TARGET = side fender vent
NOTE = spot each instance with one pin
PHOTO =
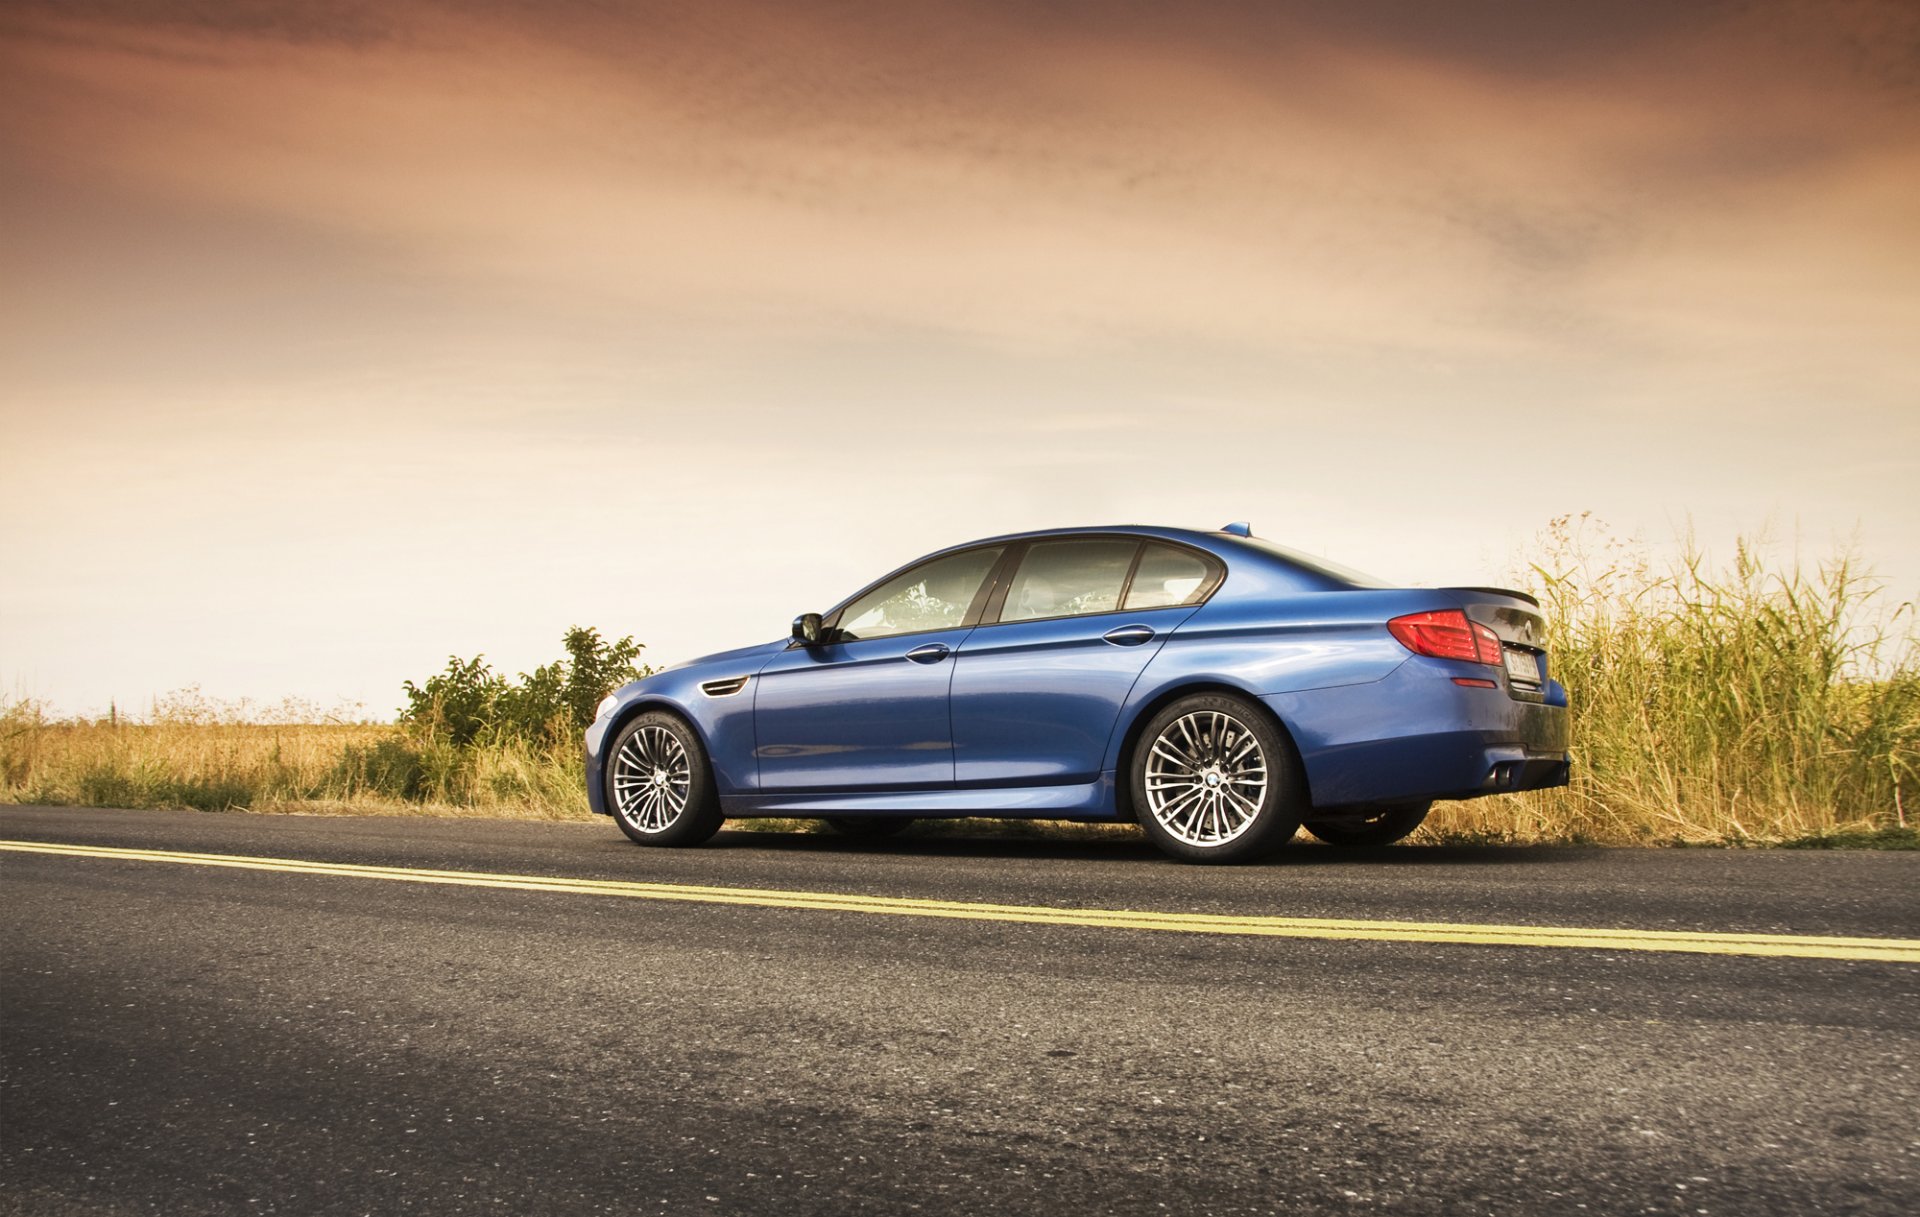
(724, 688)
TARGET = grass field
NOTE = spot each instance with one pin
(1744, 704)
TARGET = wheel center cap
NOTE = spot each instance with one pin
(659, 777)
(1213, 778)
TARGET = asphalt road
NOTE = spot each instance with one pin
(182, 1039)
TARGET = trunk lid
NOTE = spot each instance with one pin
(1515, 619)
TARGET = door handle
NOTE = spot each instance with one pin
(1129, 635)
(933, 652)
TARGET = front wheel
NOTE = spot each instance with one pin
(1216, 781)
(1381, 824)
(659, 783)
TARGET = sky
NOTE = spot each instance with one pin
(336, 338)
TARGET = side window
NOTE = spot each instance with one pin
(1068, 578)
(1168, 575)
(931, 596)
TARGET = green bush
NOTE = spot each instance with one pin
(468, 703)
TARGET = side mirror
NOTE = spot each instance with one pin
(806, 629)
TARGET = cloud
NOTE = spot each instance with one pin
(126, 22)
(986, 168)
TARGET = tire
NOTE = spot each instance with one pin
(659, 784)
(869, 828)
(1214, 779)
(1383, 824)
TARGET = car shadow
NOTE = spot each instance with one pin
(943, 845)
(1301, 852)
(1305, 853)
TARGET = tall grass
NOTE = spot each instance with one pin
(1750, 700)
(1754, 700)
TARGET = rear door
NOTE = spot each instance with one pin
(1038, 685)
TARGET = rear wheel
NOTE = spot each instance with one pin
(659, 783)
(868, 827)
(1214, 780)
(1381, 824)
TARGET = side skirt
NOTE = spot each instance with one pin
(1090, 800)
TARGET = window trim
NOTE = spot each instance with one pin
(1216, 575)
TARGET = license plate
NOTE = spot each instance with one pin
(1523, 666)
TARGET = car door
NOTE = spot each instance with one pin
(867, 709)
(1038, 685)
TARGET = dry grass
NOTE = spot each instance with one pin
(1759, 702)
(339, 769)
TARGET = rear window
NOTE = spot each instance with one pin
(1320, 566)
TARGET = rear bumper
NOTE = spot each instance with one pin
(1414, 734)
(1525, 771)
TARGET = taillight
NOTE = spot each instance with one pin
(1446, 634)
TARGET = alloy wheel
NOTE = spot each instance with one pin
(1206, 778)
(652, 779)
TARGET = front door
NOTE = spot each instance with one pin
(857, 715)
(867, 709)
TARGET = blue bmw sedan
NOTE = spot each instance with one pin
(1218, 690)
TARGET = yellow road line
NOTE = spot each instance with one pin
(1889, 950)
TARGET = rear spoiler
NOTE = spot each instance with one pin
(1496, 591)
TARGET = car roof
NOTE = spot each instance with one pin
(1300, 569)
(1189, 535)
